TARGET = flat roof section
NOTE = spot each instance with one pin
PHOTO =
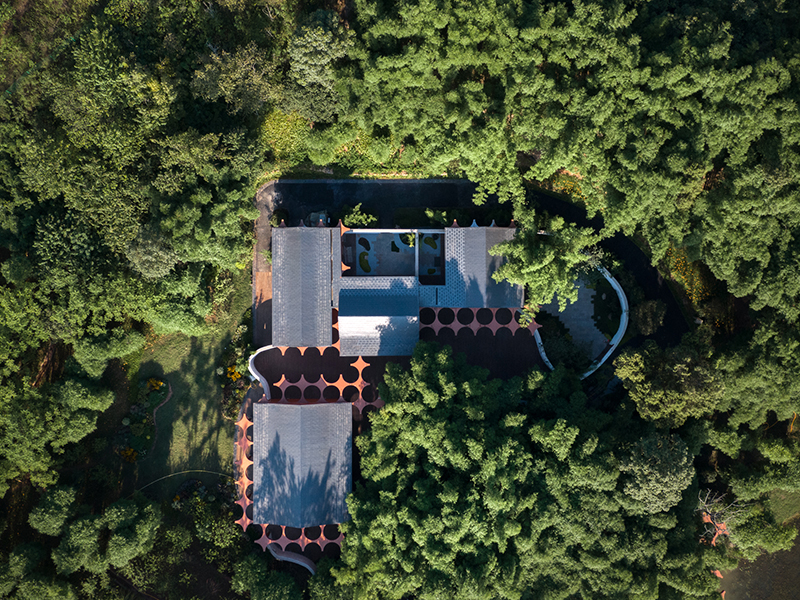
(302, 463)
(301, 286)
(379, 322)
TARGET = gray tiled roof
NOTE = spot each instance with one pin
(301, 286)
(390, 303)
(336, 264)
(302, 463)
(469, 269)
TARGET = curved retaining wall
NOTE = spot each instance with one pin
(251, 366)
(615, 341)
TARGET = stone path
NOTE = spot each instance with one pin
(577, 318)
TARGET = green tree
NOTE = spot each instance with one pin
(22, 574)
(151, 254)
(93, 354)
(313, 51)
(54, 509)
(352, 216)
(761, 374)
(669, 386)
(469, 493)
(253, 575)
(243, 79)
(125, 530)
(548, 263)
(658, 469)
(36, 424)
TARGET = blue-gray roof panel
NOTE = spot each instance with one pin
(301, 286)
(302, 463)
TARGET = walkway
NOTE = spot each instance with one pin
(262, 269)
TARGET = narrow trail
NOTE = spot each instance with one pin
(155, 422)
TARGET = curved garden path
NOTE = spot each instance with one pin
(155, 423)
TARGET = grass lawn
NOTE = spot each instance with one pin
(192, 434)
(784, 505)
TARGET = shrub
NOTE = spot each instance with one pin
(94, 353)
(648, 316)
(278, 215)
(354, 217)
(364, 262)
(286, 135)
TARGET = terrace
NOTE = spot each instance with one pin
(395, 253)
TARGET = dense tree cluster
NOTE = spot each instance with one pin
(134, 133)
(680, 117)
(126, 178)
(478, 488)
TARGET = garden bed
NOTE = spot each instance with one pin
(233, 368)
(136, 437)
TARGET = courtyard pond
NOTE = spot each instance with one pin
(389, 254)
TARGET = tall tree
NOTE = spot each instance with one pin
(547, 263)
(670, 386)
(125, 530)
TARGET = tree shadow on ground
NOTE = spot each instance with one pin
(192, 433)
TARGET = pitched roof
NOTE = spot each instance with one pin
(302, 463)
(301, 286)
(477, 266)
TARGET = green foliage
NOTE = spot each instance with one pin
(33, 31)
(352, 216)
(762, 375)
(313, 50)
(323, 585)
(93, 354)
(676, 123)
(756, 533)
(20, 565)
(243, 79)
(648, 316)
(151, 254)
(659, 468)
(363, 262)
(468, 493)
(55, 508)
(253, 575)
(286, 136)
(215, 527)
(669, 386)
(36, 424)
(546, 263)
(125, 530)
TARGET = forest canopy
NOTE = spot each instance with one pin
(135, 134)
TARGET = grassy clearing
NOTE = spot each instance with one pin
(784, 505)
(192, 433)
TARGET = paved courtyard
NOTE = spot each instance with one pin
(577, 318)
